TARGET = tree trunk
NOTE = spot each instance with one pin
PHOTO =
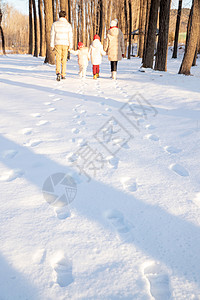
(151, 36)
(175, 50)
(30, 51)
(2, 35)
(50, 57)
(41, 24)
(62, 5)
(146, 27)
(35, 30)
(126, 25)
(192, 39)
(162, 48)
(142, 21)
(69, 11)
(194, 63)
(130, 29)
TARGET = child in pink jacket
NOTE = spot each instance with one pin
(96, 52)
(83, 58)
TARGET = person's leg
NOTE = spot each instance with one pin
(98, 71)
(84, 71)
(94, 72)
(64, 60)
(80, 70)
(114, 73)
(58, 58)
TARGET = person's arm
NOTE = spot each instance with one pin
(105, 47)
(102, 51)
(70, 38)
(52, 37)
(122, 44)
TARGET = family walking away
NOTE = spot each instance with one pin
(62, 42)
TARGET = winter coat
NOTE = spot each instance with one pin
(114, 44)
(83, 56)
(61, 33)
(96, 52)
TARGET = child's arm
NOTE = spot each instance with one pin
(102, 51)
(74, 52)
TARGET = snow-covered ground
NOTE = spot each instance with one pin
(131, 149)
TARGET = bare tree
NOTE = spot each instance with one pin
(2, 35)
(35, 30)
(175, 50)
(30, 28)
(41, 24)
(162, 48)
(151, 36)
(192, 39)
(50, 57)
(130, 29)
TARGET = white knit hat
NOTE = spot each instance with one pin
(113, 23)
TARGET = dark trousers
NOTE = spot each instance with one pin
(113, 66)
(95, 69)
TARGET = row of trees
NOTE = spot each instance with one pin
(89, 17)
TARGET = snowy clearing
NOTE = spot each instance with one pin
(132, 226)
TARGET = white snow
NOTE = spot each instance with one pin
(133, 229)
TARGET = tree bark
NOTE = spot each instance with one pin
(2, 35)
(192, 39)
(175, 50)
(50, 57)
(162, 48)
(146, 27)
(30, 51)
(130, 29)
(151, 36)
(41, 24)
(142, 23)
(35, 30)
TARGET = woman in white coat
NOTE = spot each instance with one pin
(114, 46)
(96, 52)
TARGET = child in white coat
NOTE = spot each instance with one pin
(83, 58)
(96, 52)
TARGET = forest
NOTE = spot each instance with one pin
(144, 22)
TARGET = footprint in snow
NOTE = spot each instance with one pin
(122, 226)
(57, 99)
(171, 149)
(9, 154)
(63, 271)
(26, 131)
(158, 280)
(62, 213)
(81, 122)
(42, 122)
(152, 137)
(51, 109)
(150, 127)
(75, 130)
(11, 175)
(47, 103)
(108, 109)
(33, 143)
(180, 170)
(51, 95)
(36, 115)
(129, 184)
(113, 162)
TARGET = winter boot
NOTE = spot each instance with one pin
(95, 76)
(63, 77)
(114, 75)
(58, 77)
